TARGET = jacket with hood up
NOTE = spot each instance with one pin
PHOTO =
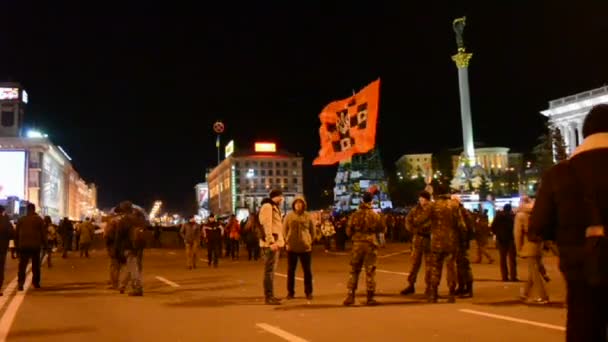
(298, 229)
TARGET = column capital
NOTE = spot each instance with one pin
(462, 59)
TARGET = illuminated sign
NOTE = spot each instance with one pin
(265, 147)
(24, 97)
(9, 93)
(229, 149)
(12, 174)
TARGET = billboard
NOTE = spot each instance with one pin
(229, 149)
(9, 93)
(202, 195)
(12, 174)
(265, 147)
(52, 186)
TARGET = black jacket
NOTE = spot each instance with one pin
(6, 232)
(561, 213)
(502, 227)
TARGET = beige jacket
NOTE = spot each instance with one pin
(272, 221)
(525, 248)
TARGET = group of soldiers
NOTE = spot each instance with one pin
(442, 230)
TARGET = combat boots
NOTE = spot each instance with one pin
(452, 295)
(370, 299)
(350, 298)
(408, 290)
(432, 295)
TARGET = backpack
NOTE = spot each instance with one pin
(138, 236)
(257, 227)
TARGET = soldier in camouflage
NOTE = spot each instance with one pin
(418, 222)
(463, 263)
(363, 228)
(446, 226)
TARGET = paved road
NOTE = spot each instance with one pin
(225, 304)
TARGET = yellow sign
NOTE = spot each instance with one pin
(229, 148)
(265, 147)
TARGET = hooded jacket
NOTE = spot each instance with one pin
(298, 229)
(525, 248)
(271, 219)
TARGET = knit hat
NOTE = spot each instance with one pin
(596, 121)
(425, 194)
(275, 193)
(368, 197)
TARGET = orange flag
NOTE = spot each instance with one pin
(348, 126)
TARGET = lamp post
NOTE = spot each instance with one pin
(218, 128)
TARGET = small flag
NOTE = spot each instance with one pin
(348, 126)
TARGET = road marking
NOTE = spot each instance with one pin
(11, 311)
(338, 253)
(513, 319)
(172, 253)
(205, 260)
(280, 332)
(167, 281)
(393, 254)
(391, 272)
(285, 276)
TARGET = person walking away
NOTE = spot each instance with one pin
(6, 234)
(190, 233)
(363, 228)
(77, 228)
(502, 227)
(251, 240)
(86, 232)
(418, 222)
(109, 235)
(328, 230)
(130, 242)
(464, 273)
(298, 230)
(51, 236)
(235, 236)
(226, 239)
(570, 209)
(66, 229)
(534, 289)
(31, 237)
(482, 235)
(447, 224)
(213, 237)
(271, 241)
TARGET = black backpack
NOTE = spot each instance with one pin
(257, 227)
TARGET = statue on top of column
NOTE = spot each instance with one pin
(459, 24)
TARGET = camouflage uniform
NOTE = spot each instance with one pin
(363, 227)
(482, 233)
(463, 263)
(446, 226)
(418, 222)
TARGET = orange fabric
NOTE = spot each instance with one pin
(348, 126)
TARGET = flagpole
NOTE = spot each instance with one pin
(218, 128)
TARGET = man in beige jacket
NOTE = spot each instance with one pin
(271, 221)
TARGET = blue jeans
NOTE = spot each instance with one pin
(271, 260)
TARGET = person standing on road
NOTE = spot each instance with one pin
(130, 243)
(86, 232)
(534, 289)
(464, 273)
(30, 239)
(51, 236)
(418, 222)
(298, 230)
(446, 226)
(271, 221)
(109, 235)
(251, 240)
(571, 206)
(6, 234)
(235, 236)
(502, 227)
(363, 228)
(482, 234)
(66, 229)
(191, 234)
(213, 237)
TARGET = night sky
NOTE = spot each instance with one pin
(131, 90)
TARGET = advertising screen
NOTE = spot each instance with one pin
(12, 174)
(9, 93)
(52, 188)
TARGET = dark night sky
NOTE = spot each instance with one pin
(131, 90)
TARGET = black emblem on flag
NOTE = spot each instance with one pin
(354, 117)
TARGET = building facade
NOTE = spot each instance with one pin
(568, 113)
(495, 159)
(414, 165)
(244, 178)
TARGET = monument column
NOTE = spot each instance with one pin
(462, 59)
(579, 127)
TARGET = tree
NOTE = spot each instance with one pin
(550, 149)
(559, 145)
(405, 192)
(484, 188)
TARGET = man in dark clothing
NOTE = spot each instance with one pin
(569, 206)
(502, 227)
(30, 239)
(6, 233)
(213, 236)
(66, 230)
(129, 245)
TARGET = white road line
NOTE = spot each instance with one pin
(167, 281)
(280, 332)
(393, 254)
(172, 253)
(205, 260)
(391, 272)
(11, 311)
(513, 319)
(338, 253)
(285, 276)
